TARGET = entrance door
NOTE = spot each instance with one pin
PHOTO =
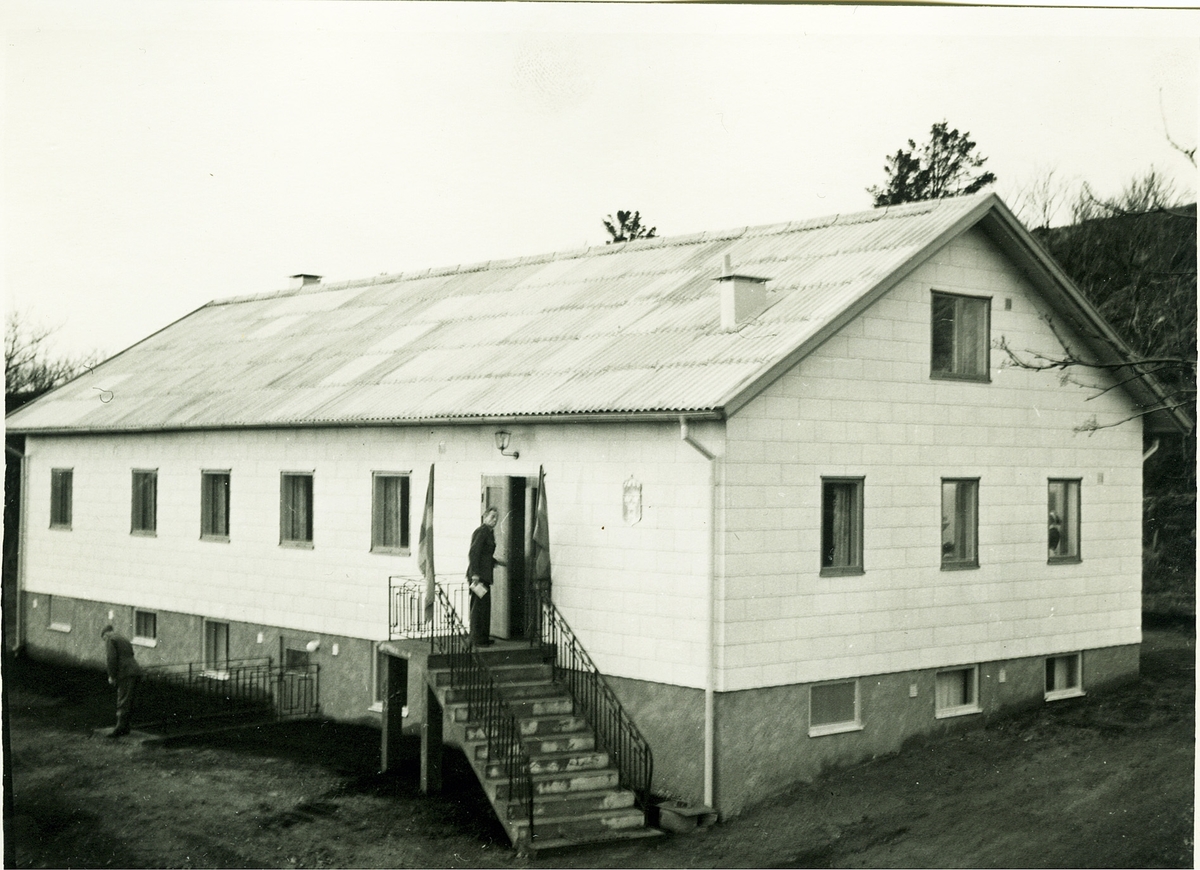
(513, 497)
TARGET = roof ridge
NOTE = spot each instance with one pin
(803, 225)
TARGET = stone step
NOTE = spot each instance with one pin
(559, 783)
(510, 692)
(546, 843)
(582, 741)
(585, 828)
(561, 762)
(525, 709)
(537, 727)
(516, 673)
(565, 805)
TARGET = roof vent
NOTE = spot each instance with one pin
(303, 280)
(743, 297)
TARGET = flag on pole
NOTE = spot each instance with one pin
(425, 548)
(541, 537)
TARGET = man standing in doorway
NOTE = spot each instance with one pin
(481, 563)
(123, 672)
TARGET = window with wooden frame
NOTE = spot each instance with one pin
(144, 502)
(1063, 521)
(296, 508)
(390, 512)
(960, 337)
(841, 525)
(956, 692)
(214, 505)
(1064, 676)
(61, 494)
(960, 523)
(833, 708)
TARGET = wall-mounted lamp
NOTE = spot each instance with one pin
(502, 439)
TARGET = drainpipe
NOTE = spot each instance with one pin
(22, 518)
(709, 611)
(1153, 449)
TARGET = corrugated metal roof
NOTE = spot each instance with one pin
(626, 328)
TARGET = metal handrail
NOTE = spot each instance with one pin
(468, 671)
(593, 698)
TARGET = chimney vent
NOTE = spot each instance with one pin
(302, 280)
(743, 297)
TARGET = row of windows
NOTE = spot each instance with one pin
(389, 506)
(836, 707)
(841, 515)
(842, 523)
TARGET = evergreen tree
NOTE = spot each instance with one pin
(944, 166)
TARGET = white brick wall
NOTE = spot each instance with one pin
(634, 593)
(903, 432)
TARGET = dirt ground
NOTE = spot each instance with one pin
(1101, 781)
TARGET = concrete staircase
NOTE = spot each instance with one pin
(577, 796)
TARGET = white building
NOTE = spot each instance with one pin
(795, 518)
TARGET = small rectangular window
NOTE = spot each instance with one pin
(216, 647)
(961, 342)
(296, 508)
(957, 692)
(1063, 509)
(145, 502)
(145, 628)
(1063, 677)
(60, 613)
(960, 523)
(61, 484)
(214, 505)
(833, 708)
(841, 525)
(390, 513)
(296, 660)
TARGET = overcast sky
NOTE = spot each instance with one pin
(160, 155)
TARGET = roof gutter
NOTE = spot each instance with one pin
(510, 419)
(710, 671)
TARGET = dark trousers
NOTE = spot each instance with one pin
(126, 686)
(481, 617)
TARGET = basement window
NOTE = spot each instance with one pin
(957, 692)
(833, 708)
(60, 613)
(1064, 677)
(145, 628)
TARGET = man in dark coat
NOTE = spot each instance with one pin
(123, 672)
(481, 562)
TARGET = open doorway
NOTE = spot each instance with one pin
(515, 498)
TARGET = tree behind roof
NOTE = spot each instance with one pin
(944, 166)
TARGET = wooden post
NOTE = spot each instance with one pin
(431, 744)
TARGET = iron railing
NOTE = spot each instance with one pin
(470, 675)
(175, 694)
(406, 605)
(593, 698)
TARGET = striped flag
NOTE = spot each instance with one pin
(425, 548)
(541, 537)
